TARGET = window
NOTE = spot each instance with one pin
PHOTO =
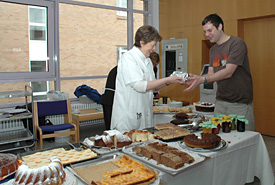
(120, 51)
(38, 48)
(59, 45)
(122, 4)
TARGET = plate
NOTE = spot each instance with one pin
(204, 113)
(70, 179)
(223, 145)
(11, 175)
(15, 111)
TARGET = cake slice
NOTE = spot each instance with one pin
(171, 160)
(161, 126)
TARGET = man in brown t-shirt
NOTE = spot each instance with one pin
(229, 67)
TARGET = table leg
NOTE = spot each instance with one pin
(76, 122)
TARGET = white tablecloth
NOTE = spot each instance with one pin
(245, 157)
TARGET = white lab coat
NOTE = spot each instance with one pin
(132, 109)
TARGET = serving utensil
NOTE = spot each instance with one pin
(78, 149)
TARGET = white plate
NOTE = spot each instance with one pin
(70, 179)
(223, 145)
(14, 111)
(204, 113)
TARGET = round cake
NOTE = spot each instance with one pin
(205, 107)
(51, 174)
(179, 121)
(8, 164)
(181, 115)
(207, 141)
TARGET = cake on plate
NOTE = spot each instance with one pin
(140, 135)
(51, 174)
(207, 141)
(205, 107)
(8, 164)
(111, 138)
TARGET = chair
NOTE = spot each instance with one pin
(51, 108)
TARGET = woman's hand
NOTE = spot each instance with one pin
(175, 80)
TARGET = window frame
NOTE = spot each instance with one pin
(9, 77)
(53, 38)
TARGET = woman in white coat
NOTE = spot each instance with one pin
(135, 83)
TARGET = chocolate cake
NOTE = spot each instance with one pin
(207, 141)
(180, 121)
(181, 115)
(205, 107)
(164, 154)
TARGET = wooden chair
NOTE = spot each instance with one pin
(50, 108)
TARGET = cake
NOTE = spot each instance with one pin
(51, 174)
(140, 135)
(180, 121)
(8, 164)
(129, 172)
(205, 107)
(164, 154)
(181, 115)
(161, 126)
(111, 138)
(172, 132)
(207, 141)
(185, 103)
(43, 158)
(122, 140)
(103, 141)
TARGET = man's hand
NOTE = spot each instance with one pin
(193, 82)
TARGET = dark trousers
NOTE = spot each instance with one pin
(107, 111)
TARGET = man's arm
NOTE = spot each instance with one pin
(225, 73)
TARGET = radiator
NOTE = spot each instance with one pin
(18, 124)
(11, 125)
(78, 106)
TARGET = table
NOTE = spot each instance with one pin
(86, 115)
(245, 157)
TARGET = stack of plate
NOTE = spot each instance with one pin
(175, 104)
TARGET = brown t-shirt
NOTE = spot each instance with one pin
(239, 87)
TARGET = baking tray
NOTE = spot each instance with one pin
(66, 147)
(104, 159)
(106, 150)
(199, 158)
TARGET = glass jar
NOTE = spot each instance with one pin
(216, 130)
(233, 121)
(226, 127)
(241, 121)
(206, 130)
(240, 126)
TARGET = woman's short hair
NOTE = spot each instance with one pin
(146, 34)
(154, 58)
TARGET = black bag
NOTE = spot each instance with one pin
(47, 122)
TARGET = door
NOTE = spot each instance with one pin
(260, 39)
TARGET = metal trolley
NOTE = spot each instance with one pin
(12, 135)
